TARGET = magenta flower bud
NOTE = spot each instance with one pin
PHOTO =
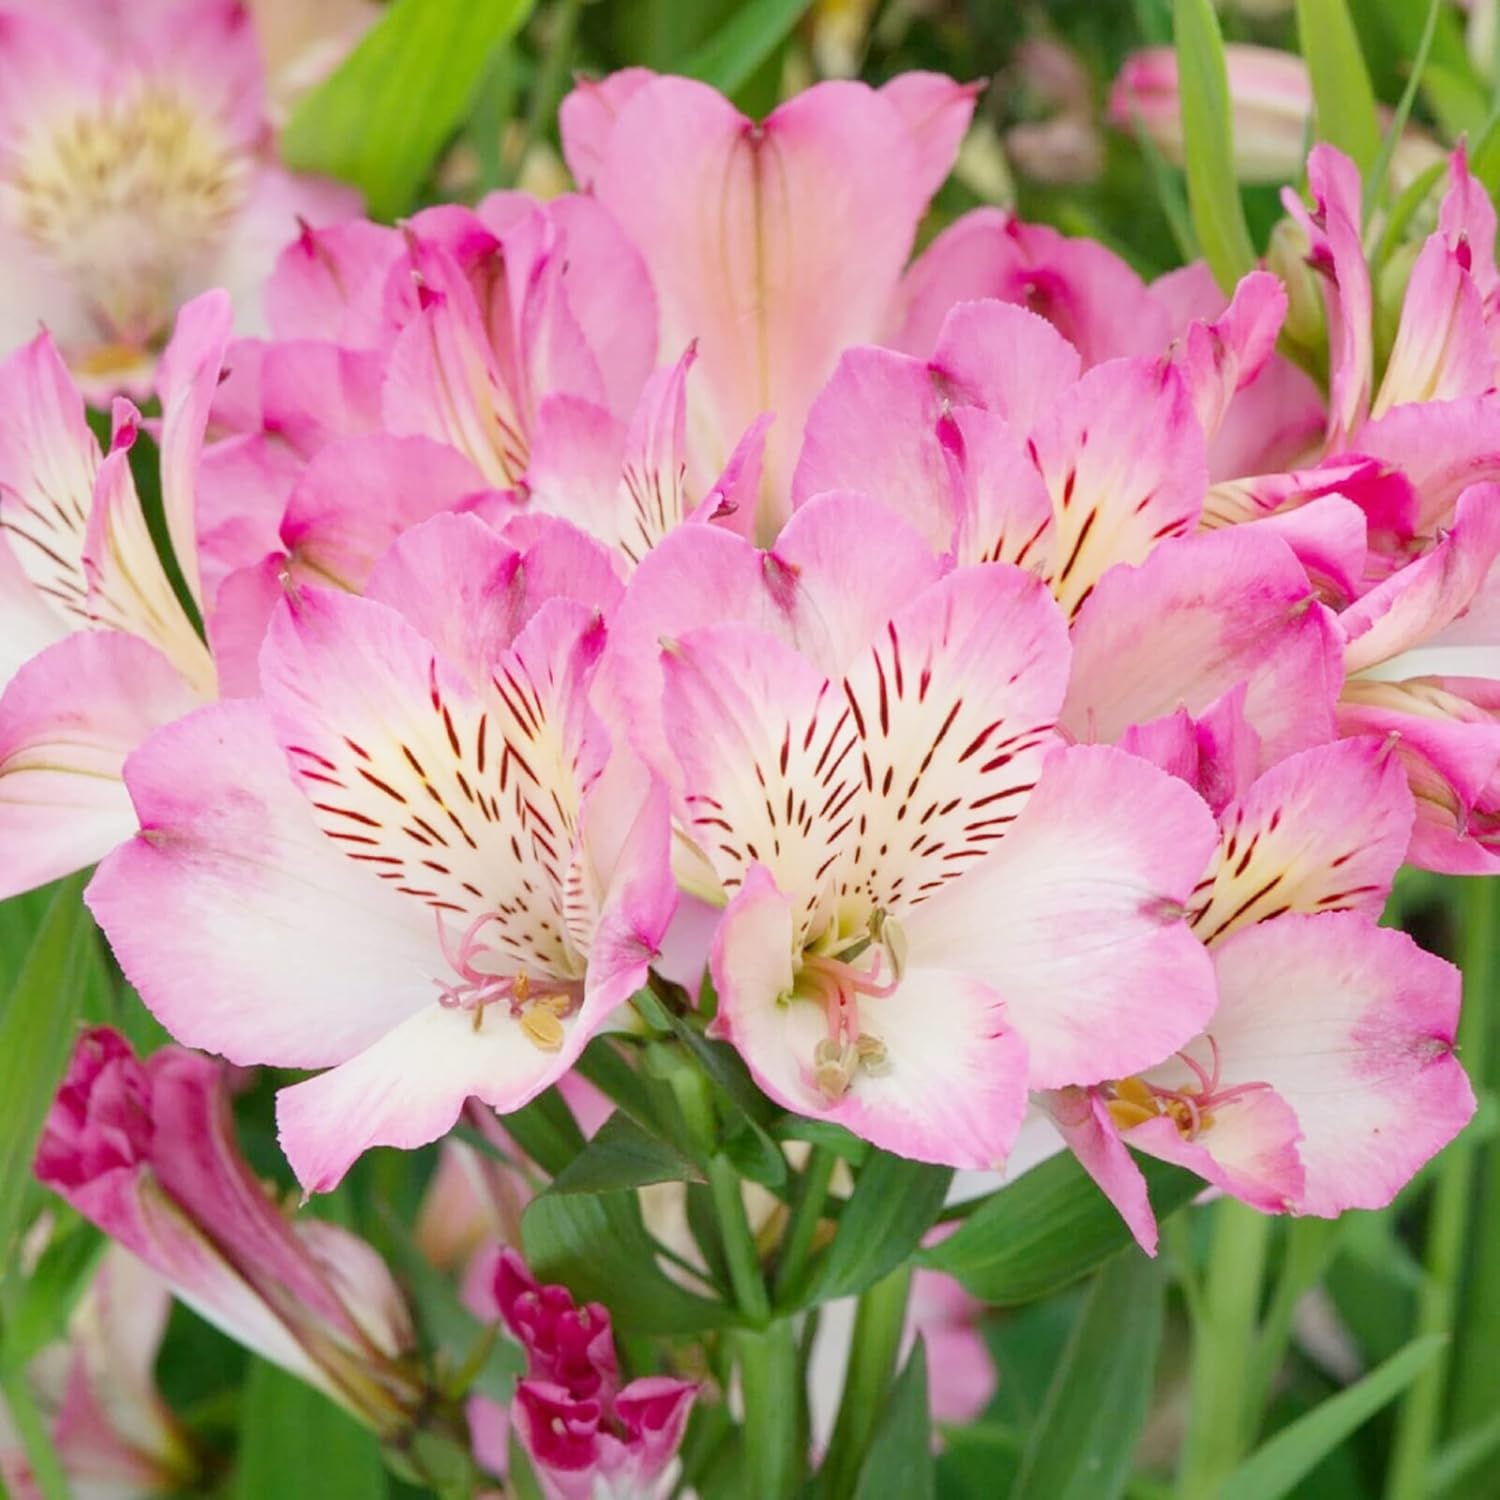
(145, 1150)
(587, 1437)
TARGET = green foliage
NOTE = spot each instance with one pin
(1046, 1230)
(381, 119)
(1214, 200)
(900, 1458)
(295, 1441)
(1082, 1445)
(1344, 102)
(731, 56)
(37, 1030)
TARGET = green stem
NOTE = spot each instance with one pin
(46, 1468)
(812, 1195)
(1307, 1248)
(775, 1431)
(1419, 1420)
(878, 1326)
(739, 1244)
(1220, 1426)
(547, 87)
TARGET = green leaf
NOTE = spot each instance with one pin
(36, 1036)
(546, 1131)
(1343, 101)
(744, 42)
(1082, 1445)
(1208, 143)
(1375, 182)
(45, 1300)
(295, 1441)
(597, 1244)
(1277, 1466)
(622, 1156)
(900, 1458)
(1047, 1229)
(894, 1203)
(380, 121)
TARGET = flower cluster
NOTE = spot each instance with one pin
(1041, 679)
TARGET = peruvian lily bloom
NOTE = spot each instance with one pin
(97, 649)
(1023, 460)
(134, 174)
(145, 1150)
(464, 880)
(819, 202)
(589, 1437)
(858, 762)
(111, 1429)
(1327, 1074)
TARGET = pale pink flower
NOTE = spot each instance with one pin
(135, 172)
(1326, 1075)
(429, 814)
(114, 1434)
(145, 1150)
(97, 648)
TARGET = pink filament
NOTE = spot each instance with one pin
(475, 987)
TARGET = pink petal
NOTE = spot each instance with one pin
(68, 719)
(1323, 830)
(1221, 357)
(229, 853)
(824, 194)
(1005, 359)
(1329, 537)
(1092, 1136)
(956, 1088)
(329, 283)
(1201, 615)
(1338, 252)
(936, 111)
(587, 118)
(359, 494)
(1122, 457)
(1108, 846)
(1353, 1026)
(1417, 602)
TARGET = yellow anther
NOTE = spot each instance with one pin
(1125, 1113)
(520, 987)
(542, 1028)
(873, 1056)
(1136, 1091)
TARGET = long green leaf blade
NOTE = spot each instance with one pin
(36, 1036)
(1277, 1466)
(1208, 143)
(731, 56)
(900, 1458)
(295, 1441)
(1343, 101)
(380, 121)
(1047, 1229)
(1083, 1443)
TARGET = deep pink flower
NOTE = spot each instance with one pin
(145, 1151)
(588, 1436)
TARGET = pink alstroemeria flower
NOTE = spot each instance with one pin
(1326, 1075)
(464, 881)
(134, 174)
(95, 649)
(111, 1429)
(145, 1150)
(773, 244)
(856, 760)
(589, 1437)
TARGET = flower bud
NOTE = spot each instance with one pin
(145, 1151)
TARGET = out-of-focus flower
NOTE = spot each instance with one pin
(491, 875)
(589, 1437)
(1271, 107)
(116, 1438)
(145, 1150)
(302, 43)
(840, 30)
(1063, 143)
(96, 648)
(134, 173)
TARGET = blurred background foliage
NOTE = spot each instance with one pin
(1261, 1322)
